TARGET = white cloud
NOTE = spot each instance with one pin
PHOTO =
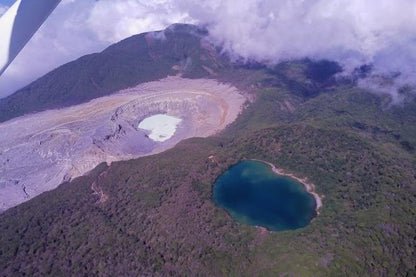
(292, 29)
(350, 31)
(132, 17)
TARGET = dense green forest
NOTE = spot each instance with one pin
(154, 216)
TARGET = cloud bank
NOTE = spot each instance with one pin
(352, 32)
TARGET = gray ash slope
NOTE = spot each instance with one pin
(40, 151)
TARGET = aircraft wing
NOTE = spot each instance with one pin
(18, 25)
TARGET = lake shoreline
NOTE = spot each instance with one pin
(310, 188)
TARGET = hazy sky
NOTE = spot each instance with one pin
(349, 31)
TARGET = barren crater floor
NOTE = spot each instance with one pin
(40, 151)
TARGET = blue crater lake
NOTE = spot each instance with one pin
(253, 194)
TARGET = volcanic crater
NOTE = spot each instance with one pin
(40, 151)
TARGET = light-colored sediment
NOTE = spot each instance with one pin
(40, 151)
(161, 127)
(310, 188)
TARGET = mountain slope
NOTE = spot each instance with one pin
(180, 49)
(155, 216)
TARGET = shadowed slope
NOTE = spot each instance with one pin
(180, 49)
